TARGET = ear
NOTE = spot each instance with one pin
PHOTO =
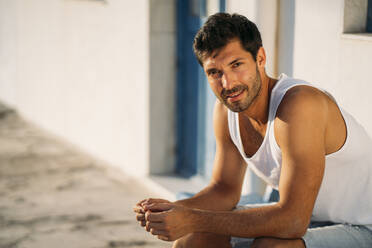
(261, 57)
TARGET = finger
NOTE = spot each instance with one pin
(154, 231)
(148, 201)
(138, 209)
(162, 237)
(147, 226)
(154, 200)
(140, 202)
(140, 217)
(154, 217)
(138, 206)
(142, 223)
(157, 207)
(156, 225)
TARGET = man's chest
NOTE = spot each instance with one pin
(252, 135)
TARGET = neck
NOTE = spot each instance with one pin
(259, 109)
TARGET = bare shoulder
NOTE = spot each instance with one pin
(220, 110)
(302, 115)
(220, 123)
(302, 100)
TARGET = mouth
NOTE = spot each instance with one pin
(235, 96)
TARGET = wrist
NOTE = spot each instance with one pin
(180, 203)
(196, 216)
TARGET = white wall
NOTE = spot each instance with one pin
(81, 70)
(339, 63)
(8, 50)
(163, 71)
(267, 22)
(247, 8)
(285, 36)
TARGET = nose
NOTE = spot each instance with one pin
(227, 81)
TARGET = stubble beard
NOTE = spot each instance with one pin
(251, 95)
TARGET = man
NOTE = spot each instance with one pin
(289, 133)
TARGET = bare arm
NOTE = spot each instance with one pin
(228, 170)
(300, 132)
(227, 178)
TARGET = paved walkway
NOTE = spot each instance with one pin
(52, 195)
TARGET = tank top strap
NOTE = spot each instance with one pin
(284, 84)
(232, 120)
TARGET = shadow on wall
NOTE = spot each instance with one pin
(286, 19)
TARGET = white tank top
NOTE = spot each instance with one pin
(345, 195)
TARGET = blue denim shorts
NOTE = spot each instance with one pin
(322, 235)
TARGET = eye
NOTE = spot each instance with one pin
(214, 73)
(237, 64)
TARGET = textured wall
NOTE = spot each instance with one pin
(163, 71)
(81, 69)
(337, 62)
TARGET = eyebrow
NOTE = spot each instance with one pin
(232, 62)
(235, 60)
(215, 55)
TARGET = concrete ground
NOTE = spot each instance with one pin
(53, 195)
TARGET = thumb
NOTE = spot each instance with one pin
(164, 238)
(158, 207)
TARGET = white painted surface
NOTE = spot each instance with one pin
(247, 8)
(162, 81)
(81, 70)
(336, 62)
(267, 16)
(213, 6)
(285, 36)
(8, 50)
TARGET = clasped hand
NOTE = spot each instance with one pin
(164, 219)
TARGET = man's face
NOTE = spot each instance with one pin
(233, 76)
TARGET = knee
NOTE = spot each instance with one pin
(265, 243)
(190, 240)
(202, 240)
(182, 242)
(277, 243)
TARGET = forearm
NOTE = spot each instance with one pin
(268, 221)
(214, 197)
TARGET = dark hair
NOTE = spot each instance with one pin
(220, 29)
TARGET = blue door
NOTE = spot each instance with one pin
(195, 101)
